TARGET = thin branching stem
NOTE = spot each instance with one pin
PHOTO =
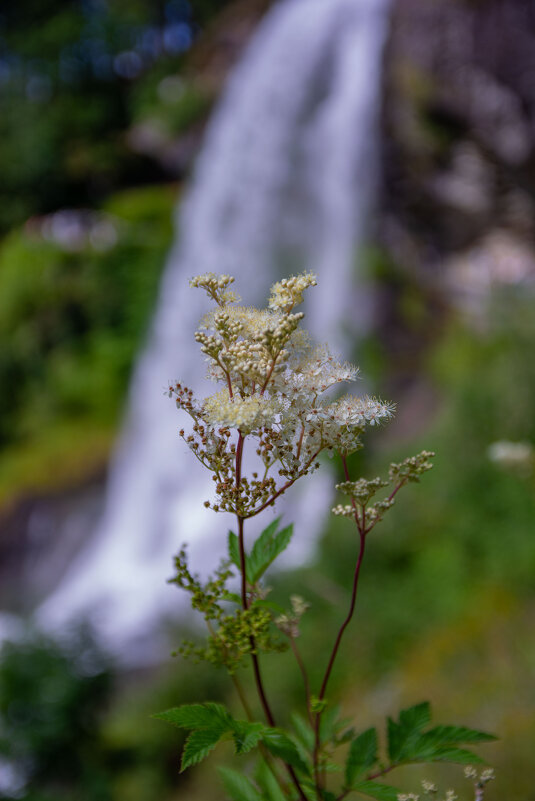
(347, 619)
(304, 674)
(254, 657)
(284, 487)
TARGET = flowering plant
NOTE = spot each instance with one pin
(276, 397)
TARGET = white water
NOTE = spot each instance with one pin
(284, 182)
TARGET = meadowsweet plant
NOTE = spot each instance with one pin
(276, 409)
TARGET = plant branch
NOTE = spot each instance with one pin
(285, 486)
(345, 623)
(254, 656)
(304, 674)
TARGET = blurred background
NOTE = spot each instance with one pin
(390, 147)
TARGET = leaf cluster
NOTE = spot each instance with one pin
(234, 632)
(410, 740)
(209, 723)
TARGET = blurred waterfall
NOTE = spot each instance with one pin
(284, 182)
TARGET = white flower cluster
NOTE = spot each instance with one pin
(246, 414)
(275, 387)
(486, 775)
(288, 293)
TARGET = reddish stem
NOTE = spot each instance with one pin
(334, 652)
(284, 487)
(243, 570)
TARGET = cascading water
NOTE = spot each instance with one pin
(283, 183)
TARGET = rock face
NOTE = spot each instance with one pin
(459, 127)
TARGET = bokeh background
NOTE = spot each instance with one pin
(104, 111)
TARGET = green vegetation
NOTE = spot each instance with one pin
(72, 318)
(446, 608)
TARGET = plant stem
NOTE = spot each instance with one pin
(347, 618)
(284, 487)
(304, 674)
(245, 605)
(334, 652)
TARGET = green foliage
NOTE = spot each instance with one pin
(270, 544)
(71, 322)
(66, 109)
(267, 782)
(52, 698)
(382, 792)
(407, 742)
(362, 755)
(210, 722)
(280, 745)
(238, 786)
(304, 732)
(233, 635)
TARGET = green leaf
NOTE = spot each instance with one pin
(234, 549)
(197, 716)
(452, 735)
(268, 783)
(395, 740)
(346, 736)
(329, 724)
(198, 746)
(461, 756)
(265, 604)
(239, 787)
(231, 596)
(383, 792)
(408, 743)
(267, 547)
(362, 755)
(246, 735)
(403, 736)
(327, 796)
(304, 731)
(415, 717)
(280, 745)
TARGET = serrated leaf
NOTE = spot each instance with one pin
(395, 740)
(403, 735)
(362, 755)
(408, 743)
(246, 735)
(382, 792)
(460, 756)
(346, 736)
(197, 716)
(234, 549)
(268, 783)
(415, 717)
(238, 786)
(231, 596)
(328, 724)
(331, 767)
(327, 796)
(304, 731)
(453, 735)
(279, 744)
(267, 547)
(198, 745)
